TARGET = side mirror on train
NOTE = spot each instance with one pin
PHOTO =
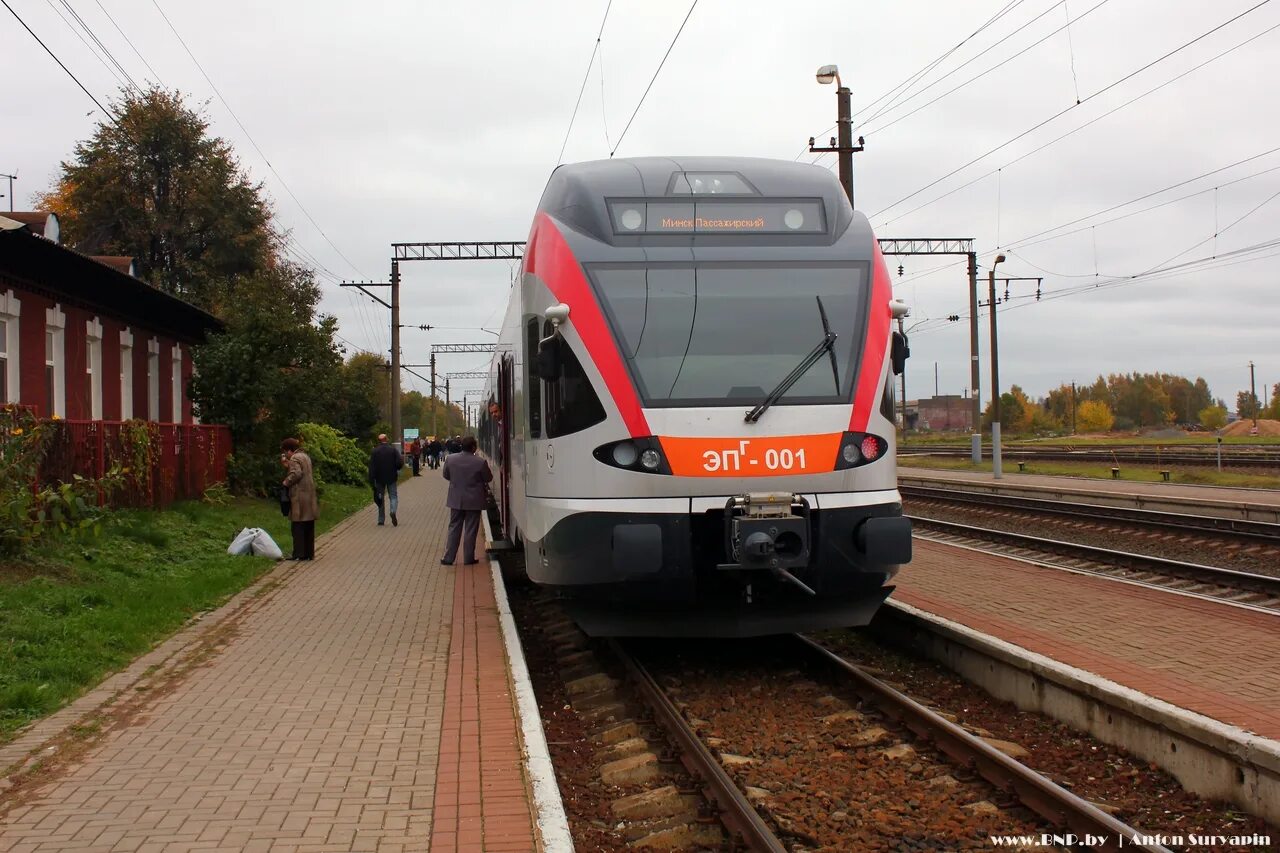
(899, 353)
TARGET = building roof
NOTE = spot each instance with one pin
(119, 263)
(34, 263)
(39, 222)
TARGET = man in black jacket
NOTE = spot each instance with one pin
(385, 463)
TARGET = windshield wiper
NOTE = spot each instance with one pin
(827, 345)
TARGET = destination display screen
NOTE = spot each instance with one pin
(745, 216)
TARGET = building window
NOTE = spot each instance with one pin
(126, 375)
(93, 366)
(534, 392)
(9, 376)
(572, 404)
(55, 364)
(153, 379)
(177, 384)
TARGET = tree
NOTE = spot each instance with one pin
(361, 396)
(1213, 417)
(1273, 409)
(156, 187)
(1094, 416)
(1247, 405)
(1141, 399)
(275, 365)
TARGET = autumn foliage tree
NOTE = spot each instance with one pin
(157, 187)
(1213, 417)
(1094, 416)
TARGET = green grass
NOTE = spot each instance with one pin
(1206, 440)
(73, 611)
(1132, 473)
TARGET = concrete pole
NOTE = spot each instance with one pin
(845, 139)
(995, 381)
(435, 404)
(397, 435)
(975, 380)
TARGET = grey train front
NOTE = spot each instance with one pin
(691, 404)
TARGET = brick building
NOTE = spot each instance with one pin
(946, 413)
(82, 338)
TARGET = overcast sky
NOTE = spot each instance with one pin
(415, 121)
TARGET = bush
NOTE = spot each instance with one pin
(29, 509)
(334, 457)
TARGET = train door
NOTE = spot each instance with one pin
(506, 408)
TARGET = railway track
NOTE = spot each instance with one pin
(1066, 812)
(1250, 531)
(1255, 460)
(1228, 586)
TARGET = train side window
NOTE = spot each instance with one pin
(571, 403)
(533, 388)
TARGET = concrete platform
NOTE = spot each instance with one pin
(363, 701)
(1209, 658)
(1254, 504)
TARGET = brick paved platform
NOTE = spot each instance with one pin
(359, 702)
(1206, 657)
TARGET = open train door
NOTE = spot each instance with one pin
(506, 398)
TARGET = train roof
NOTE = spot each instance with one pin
(576, 192)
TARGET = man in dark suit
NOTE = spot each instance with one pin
(467, 475)
(384, 471)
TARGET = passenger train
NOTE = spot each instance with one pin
(690, 408)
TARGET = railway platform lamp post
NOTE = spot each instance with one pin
(842, 145)
(996, 473)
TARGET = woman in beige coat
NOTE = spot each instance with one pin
(304, 504)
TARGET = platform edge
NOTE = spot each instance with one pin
(551, 821)
(1218, 759)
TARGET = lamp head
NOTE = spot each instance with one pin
(999, 259)
(828, 73)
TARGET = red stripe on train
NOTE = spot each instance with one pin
(868, 389)
(549, 257)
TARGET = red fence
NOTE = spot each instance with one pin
(165, 462)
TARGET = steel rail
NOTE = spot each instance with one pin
(1263, 531)
(1051, 801)
(736, 812)
(1245, 581)
(1262, 461)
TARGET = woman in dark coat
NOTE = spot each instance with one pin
(304, 503)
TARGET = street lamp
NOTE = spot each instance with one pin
(995, 374)
(843, 145)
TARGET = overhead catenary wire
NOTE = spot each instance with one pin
(87, 46)
(76, 79)
(585, 76)
(252, 141)
(979, 75)
(129, 41)
(1062, 112)
(133, 84)
(636, 111)
(1070, 132)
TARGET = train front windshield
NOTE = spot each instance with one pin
(714, 334)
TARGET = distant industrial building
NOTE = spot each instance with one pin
(947, 413)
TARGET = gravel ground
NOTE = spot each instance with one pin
(819, 764)
(1206, 549)
(587, 799)
(1137, 792)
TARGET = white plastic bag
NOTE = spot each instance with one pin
(264, 546)
(243, 543)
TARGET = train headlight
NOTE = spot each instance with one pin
(625, 454)
(631, 219)
(793, 219)
(850, 453)
(642, 455)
